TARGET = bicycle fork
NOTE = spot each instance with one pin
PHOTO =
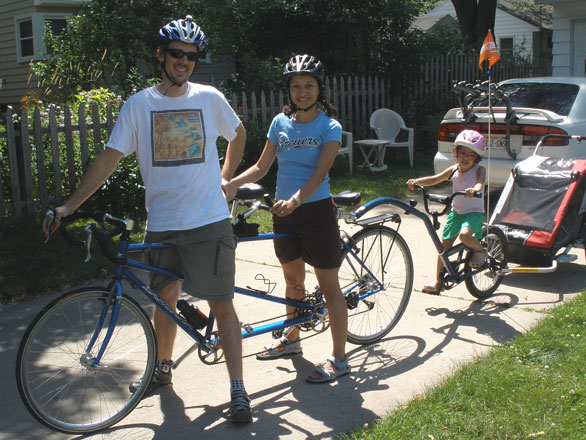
(112, 302)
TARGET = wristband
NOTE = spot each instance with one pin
(297, 199)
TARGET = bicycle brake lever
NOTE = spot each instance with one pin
(88, 242)
(51, 215)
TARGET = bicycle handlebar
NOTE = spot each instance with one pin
(444, 200)
(103, 236)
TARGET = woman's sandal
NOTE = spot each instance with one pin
(283, 348)
(341, 368)
(431, 289)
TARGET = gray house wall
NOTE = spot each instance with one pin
(14, 72)
(569, 37)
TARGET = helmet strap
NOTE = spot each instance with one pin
(308, 108)
(173, 83)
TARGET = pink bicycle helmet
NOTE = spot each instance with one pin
(471, 139)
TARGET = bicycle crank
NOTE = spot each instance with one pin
(210, 351)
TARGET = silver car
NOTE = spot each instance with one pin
(521, 111)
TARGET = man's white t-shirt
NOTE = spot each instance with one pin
(175, 142)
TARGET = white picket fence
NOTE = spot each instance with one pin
(39, 162)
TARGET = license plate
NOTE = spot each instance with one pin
(496, 143)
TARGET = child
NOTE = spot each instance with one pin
(467, 215)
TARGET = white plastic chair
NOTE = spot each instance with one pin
(387, 124)
(346, 147)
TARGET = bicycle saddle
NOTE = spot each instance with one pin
(250, 191)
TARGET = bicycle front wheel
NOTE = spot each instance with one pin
(378, 284)
(57, 380)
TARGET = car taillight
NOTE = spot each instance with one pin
(448, 132)
(531, 133)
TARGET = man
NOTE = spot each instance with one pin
(173, 127)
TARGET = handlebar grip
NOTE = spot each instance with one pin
(70, 219)
(268, 200)
(438, 198)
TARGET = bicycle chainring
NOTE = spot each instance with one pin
(210, 350)
(318, 321)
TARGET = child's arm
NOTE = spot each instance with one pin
(431, 180)
(480, 179)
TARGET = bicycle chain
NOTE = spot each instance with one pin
(286, 315)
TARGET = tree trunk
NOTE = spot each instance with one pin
(475, 18)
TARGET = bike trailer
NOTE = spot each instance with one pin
(542, 209)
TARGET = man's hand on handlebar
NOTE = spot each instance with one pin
(52, 220)
(229, 190)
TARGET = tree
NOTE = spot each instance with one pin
(358, 36)
(475, 17)
(111, 43)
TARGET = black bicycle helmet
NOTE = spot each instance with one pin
(184, 30)
(304, 65)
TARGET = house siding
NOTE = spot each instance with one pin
(220, 70)
(12, 73)
(568, 52)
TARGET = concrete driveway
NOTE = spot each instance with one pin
(435, 336)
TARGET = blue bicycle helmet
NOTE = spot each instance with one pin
(184, 30)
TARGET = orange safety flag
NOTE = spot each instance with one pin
(488, 51)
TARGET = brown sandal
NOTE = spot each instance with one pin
(431, 289)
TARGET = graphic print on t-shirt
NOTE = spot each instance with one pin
(177, 137)
(296, 144)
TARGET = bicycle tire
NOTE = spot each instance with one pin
(388, 257)
(484, 283)
(53, 377)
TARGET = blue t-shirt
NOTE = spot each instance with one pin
(298, 148)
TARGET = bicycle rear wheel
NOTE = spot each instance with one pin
(386, 255)
(484, 283)
(54, 372)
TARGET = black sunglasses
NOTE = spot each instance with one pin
(178, 54)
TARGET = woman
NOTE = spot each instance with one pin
(305, 140)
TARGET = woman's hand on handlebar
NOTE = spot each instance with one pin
(282, 208)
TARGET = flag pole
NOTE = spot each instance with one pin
(488, 52)
(488, 72)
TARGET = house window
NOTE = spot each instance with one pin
(56, 26)
(506, 46)
(25, 38)
(30, 31)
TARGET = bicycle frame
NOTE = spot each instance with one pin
(122, 272)
(454, 275)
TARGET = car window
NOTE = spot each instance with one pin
(557, 98)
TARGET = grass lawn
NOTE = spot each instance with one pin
(534, 386)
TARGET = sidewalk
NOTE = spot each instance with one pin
(435, 336)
